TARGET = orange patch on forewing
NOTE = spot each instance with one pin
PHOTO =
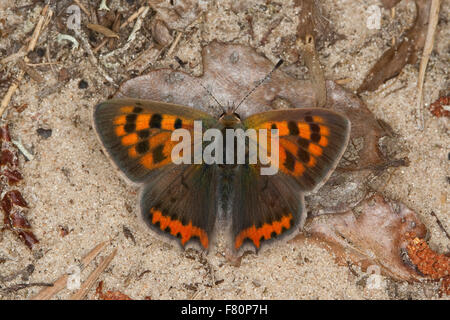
(324, 130)
(315, 150)
(132, 152)
(318, 119)
(176, 227)
(122, 119)
(130, 139)
(312, 162)
(323, 141)
(255, 234)
(147, 161)
(142, 121)
(127, 109)
(305, 131)
(120, 131)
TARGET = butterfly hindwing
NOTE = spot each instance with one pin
(311, 142)
(265, 208)
(181, 204)
(137, 133)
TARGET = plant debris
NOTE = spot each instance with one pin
(13, 204)
(110, 295)
(441, 107)
(379, 232)
(402, 53)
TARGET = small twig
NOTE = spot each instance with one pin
(37, 30)
(30, 71)
(440, 224)
(87, 285)
(86, 46)
(428, 48)
(138, 24)
(174, 44)
(82, 7)
(61, 283)
(20, 286)
(23, 150)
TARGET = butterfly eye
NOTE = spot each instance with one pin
(236, 115)
(223, 113)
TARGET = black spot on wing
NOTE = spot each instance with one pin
(178, 123)
(303, 143)
(130, 127)
(303, 155)
(158, 155)
(315, 137)
(143, 134)
(142, 147)
(314, 127)
(155, 121)
(293, 128)
(289, 163)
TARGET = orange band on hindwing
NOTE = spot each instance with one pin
(176, 227)
(265, 232)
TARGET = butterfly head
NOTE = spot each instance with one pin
(230, 119)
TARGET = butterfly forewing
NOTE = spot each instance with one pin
(311, 142)
(137, 133)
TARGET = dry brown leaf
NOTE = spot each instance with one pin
(230, 71)
(404, 52)
(376, 232)
(179, 15)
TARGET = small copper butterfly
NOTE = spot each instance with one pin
(181, 201)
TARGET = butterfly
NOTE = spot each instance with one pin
(182, 201)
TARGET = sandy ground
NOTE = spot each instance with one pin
(71, 183)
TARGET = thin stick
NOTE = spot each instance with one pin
(82, 7)
(37, 30)
(174, 44)
(428, 48)
(87, 285)
(61, 283)
(440, 224)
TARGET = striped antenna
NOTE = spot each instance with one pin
(260, 82)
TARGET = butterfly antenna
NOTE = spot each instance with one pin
(209, 92)
(260, 82)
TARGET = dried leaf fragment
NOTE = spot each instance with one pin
(110, 295)
(441, 107)
(12, 203)
(376, 232)
(404, 52)
(103, 30)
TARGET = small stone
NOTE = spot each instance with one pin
(83, 84)
(44, 133)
